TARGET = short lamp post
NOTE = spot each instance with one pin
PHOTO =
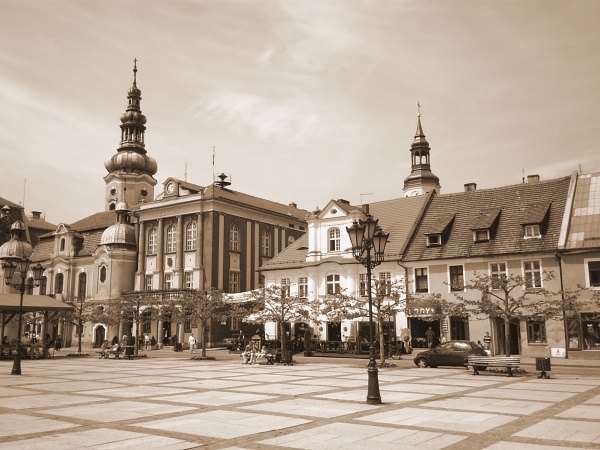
(368, 246)
(15, 257)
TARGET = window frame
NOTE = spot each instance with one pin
(234, 237)
(149, 282)
(496, 274)
(482, 235)
(363, 285)
(333, 284)
(434, 240)
(234, 281)
(423, 275)
(456, 285)
(536, 324)
(303, 287)
(152, 241)
(334, 240)
(385, 279)
(533, 271)
(81, 285)
(191, 236)
(532, 231)
(171, 239)
(59, 283)
(589, 279)
(168, 281)
(286, 285)
(265, 243)
(188, 278)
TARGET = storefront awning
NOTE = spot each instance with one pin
(10, 303)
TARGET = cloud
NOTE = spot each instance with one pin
(267, 118)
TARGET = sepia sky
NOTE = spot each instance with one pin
(303, 101)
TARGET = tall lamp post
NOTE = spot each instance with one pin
(368, 245)
(15, 256)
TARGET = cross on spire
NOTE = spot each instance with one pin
(134, 71)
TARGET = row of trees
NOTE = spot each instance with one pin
(496, 297)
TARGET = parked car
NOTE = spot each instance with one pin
(451, 353)
(234, 343)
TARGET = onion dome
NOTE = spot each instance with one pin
(16, 247)
(131, 155)
(121, 233)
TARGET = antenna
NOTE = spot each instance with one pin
(24, 186)
(185, 171)
(213, 161)
(523, 172)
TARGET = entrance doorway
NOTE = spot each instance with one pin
(99, 336)
(514, 344)
(418, 328)
(459, 328)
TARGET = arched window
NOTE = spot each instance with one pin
(29, 289)
(58, 283)
(43, 285)
(266, 243)
(82, 285)
(334, 240)
(190, 236)
(62, 244)
(234, 238)
(102, 274)
(152, 241)
(171, 238)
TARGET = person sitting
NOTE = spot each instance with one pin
(248, 354)
(103, 349)
(262, 353)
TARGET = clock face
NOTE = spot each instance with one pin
(170, 188)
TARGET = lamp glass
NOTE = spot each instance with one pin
(9, 270)
(356, 233)
(38, 271)
(370, 227)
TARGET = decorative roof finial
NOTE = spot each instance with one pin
(134, 71)
(419, 109)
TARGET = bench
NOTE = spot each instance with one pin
(106, 354)
(483, 362)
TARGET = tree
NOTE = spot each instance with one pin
(504, 297)
(275, 304)
(201, 307)
(387, 297)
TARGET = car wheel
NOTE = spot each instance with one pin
(422, 362)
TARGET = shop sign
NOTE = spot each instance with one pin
(422, 309)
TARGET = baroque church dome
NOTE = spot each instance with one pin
(121, 233)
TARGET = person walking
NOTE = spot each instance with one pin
(192, 343)
(487, 341)
(429, 337)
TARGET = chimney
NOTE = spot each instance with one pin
(533, 178)
(470, 187)
(293, 205)
(36, 215)
(341, 200)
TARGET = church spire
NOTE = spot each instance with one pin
(421, 179)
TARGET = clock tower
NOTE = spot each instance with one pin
(421, 179)
(130, 170)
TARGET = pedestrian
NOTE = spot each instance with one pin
(147, 341)
(429, 336)
(130, 347)
(192, 343)
(487, 340)
(58, 343)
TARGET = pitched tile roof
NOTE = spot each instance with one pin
(584, 226)
(515, 201)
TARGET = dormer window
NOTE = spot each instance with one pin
(334, 240)
(531, 231)
(434, 240)
(481, 235)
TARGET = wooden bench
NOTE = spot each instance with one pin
(106, 354)
(483, 362)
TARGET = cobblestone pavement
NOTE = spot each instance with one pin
(170, 402)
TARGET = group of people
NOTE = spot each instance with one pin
(252, 354)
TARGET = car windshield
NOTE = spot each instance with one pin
(461, 346)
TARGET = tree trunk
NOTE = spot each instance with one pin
(507, 336)
(202, 337)
(381, 342)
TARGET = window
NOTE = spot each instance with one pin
(533, 274)
(102, 274)
(80, 328)
(168, 281)
(187, 323)
(234, 281)
(497, 274)
(481, 235)
(363, 285)
(266, 243)
(532, 231)
(536, 331)
(152, 241)
(43, 285)
(385, 278)
(234, 239)
(594, 273)
(421, 284)
(58, 283)
(285, 287)
(149, 286)
(334, 240)
(62, 244)
(457, 278)
(191, 236)
(434, 240)
(333, 283)
(29, 288)
(235, 323)
(147, 322)
(189, 280)
(171, 238)
(82, 282)
(302, 287)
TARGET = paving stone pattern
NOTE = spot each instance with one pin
(176, 403)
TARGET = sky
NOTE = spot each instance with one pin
(302, 101)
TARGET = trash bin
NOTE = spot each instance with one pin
(543, 365)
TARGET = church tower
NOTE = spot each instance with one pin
(130, 170)
(421, 180)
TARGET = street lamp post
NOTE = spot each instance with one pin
(368, 246)
(15, 256)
